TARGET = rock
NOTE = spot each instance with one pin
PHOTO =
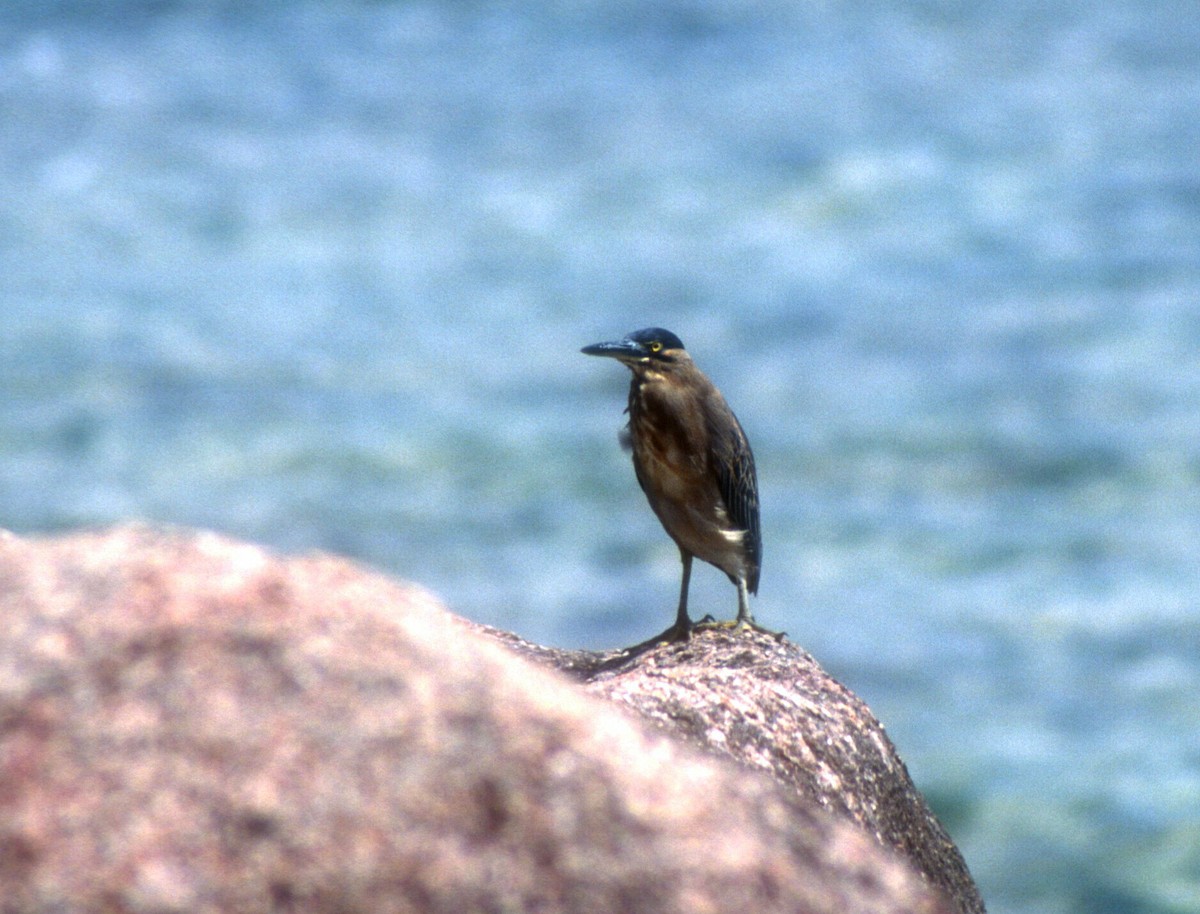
(189, 723)
(769, 706)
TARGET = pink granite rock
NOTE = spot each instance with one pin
(189, 723)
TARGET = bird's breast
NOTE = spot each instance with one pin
(665, 467)
(670, 461)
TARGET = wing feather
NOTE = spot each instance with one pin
(733, 462)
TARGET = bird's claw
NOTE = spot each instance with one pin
(737, 625)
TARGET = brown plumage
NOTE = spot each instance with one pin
(693, 462)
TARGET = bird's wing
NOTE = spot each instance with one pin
(738, 483)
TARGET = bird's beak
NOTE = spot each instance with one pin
(625, 350)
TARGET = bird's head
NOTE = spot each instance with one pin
(652, 348)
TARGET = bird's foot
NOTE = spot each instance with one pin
(673, 635)
(680, 631)
(737, 625)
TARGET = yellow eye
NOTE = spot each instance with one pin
(656, 346)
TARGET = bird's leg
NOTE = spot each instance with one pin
(682, 629)
(745, 618)
(683, 623)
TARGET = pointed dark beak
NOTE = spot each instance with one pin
(625, 350)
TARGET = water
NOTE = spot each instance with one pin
(317, 274)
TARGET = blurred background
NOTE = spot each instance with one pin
(316, 274)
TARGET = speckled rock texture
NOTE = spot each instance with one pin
(768, 705)
(189, 723)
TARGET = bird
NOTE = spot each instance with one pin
(694, 465)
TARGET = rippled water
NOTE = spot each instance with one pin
(317, 274)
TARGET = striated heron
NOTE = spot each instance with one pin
(693, 462)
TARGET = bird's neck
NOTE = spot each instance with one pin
(645, 379)
(647, 374)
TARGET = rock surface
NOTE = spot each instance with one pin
(768, 705)
(189, 723)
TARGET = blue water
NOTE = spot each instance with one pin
(317, 274)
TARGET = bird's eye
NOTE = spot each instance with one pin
(656, 346)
